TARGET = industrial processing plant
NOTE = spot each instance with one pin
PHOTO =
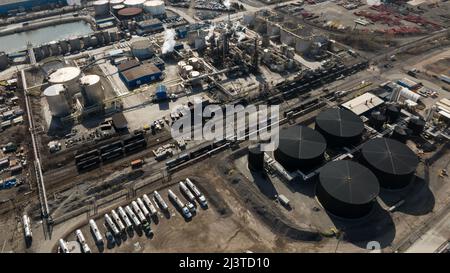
(240, 126)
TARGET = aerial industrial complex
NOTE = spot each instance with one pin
(356, 95)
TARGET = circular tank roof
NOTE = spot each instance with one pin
(54, 90)
(64, 74)
(390, 156)
(118, 7)
(141, 44)
(130, 11)
(116, 2)
(100, 2)
(90, 79)
(340, 123)
(154, 3)
(301, 142)
(134, 2)
(349, 182)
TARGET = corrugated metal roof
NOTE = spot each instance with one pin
(140, 71)
(127, 65)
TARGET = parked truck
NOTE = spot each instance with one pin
(84, 246)
(186, 192)
(162, 204)
(138, 212)
(97, 235)
(27, 228)
(116, 219)
(63, 246)
(200, 197)
(125, 217)
(184, 210)
(143, 208)
(111, 225)
(133, 216)
(149, 204)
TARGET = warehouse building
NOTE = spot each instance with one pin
(143, 74)
(7, 6)
(149, 26)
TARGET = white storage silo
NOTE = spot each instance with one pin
(194, 62)
(187, 70)
(194, 75)
(101, 7)
(93, 89)
(155, 7)
(142, 49)
(57, 100)
(115, 2)
(134, 3)
(68, 76)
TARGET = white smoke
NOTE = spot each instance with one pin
(169, 41)
(373, 2)
(74, 2)
(227, 4)
(241, 36)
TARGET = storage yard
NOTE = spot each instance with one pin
(89, 161)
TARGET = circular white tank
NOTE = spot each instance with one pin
(142, 49)
(115, 2)
(155, 7)
(116, 8)
(93, 89)
(68, 76)
(134, 3)
(194, 62)
(56, 99)
(193, 75)
(188, 69)
(101, 7)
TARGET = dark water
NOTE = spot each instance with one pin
(18, 41)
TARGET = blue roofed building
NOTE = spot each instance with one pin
(6, 6)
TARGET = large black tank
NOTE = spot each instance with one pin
(416, 125)
(391, 161)
(340, 127)
(399, 134)
(347, 189)
(377, 120)
(392, 113)
(255, 158)
(300, 148)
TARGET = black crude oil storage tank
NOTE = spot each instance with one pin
(340, 127)
(347, 189)
(392, 113)
(400, 134)
(300, 148)
(416, 125)
(255, 158)
(391, 161)
(377, 120)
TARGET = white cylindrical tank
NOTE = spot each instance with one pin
(155, 7)
(93, 89)
(410, 95)
(116, 8)
(57, 100)
(194, 75)
(187, 192)
(101, 7)
(68, 76)
(160, 200)
(124, 217)
(80, 236)
(115, 2)
(149, 204)
(75, 44)
(142, 49)
(138, 211)
(111, 225)
(134, 3)
(27, 227)
(132, 216)
(63, 246)
(188, 69)
(98, 236)
(175, 198)
(193, 188)
(116, 219)
(142, 207)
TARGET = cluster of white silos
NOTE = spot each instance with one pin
(190, 69)
(68, 83)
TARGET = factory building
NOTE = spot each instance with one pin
(347, 189)
(136, 76)
(149, 26)
(391, 161)
(7, 6)
(340, 127)
(300, 148)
